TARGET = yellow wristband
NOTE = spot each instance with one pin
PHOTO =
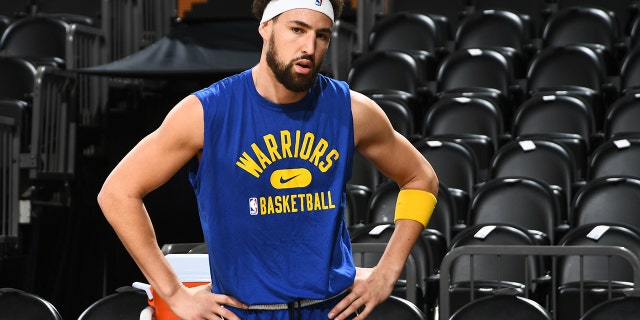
(416, 205)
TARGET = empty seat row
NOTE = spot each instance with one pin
(568, 283)
(502, 306)
(516, 195)
(483, 74)
(526, 203)
(535, 11)
(125, 303)
(477, 124)
(571, 69)
(502, 26)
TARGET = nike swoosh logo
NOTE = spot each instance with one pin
(283, 180)
(290, 178)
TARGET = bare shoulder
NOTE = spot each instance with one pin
(189, 108)
(369, 120)
(361, 104)
(185, 122)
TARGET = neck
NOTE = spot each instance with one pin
(268, 86)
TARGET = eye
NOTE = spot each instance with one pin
(296, 30)
(324, 36)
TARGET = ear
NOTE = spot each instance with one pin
(265, 29)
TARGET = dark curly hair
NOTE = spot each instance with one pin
(257, 8)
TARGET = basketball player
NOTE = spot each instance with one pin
(270, 151)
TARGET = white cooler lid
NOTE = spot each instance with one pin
(190, 267)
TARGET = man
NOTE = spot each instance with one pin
(270, 151)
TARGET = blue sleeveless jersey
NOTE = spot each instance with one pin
(270, 188)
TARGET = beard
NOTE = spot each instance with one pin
(285, 74)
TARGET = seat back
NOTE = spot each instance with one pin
(492, 28)
(364, 172)
(526, 202)
(357, 204)
(470, 69)
(553, 113)
(539, 159)
(127, 303)
(594, 279)
(586, 26)
(464, 115)
(455, 163)
(485, 267)
(543, 160)
(385, 70)
(18, 304)
(536, 11)
(448, 12)
(17, 78)
(484, 147)
(617, 157)
(580, 25)
(622, 308)
(4, 23)
(502, 307)
(630, 71)
(397, 307)
(476, 276)
(607, 200)
(567, 66)
(389, 33)
(399, 113)
(41, 37)
(623, 116)
(622, 10)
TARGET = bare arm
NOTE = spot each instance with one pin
(147, 166)
(397, 159)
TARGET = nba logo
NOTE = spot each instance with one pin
(318, 3)
(253, 206)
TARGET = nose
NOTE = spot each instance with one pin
(309, 45)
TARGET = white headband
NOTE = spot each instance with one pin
(276, 7)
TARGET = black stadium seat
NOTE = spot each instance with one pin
(486, 273)
(607, 200)
(525, 202)
(125, 303)
(41, 39)
(501, 30)
(18, 304)
(502, 307)
(622, 117)
(594, 278)
(540, 159)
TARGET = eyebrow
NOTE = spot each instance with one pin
(307, 26)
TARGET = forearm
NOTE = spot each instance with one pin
(399, 247)
(130, 220)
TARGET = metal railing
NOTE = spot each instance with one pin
(131, 25)
(366, 18)
(85, 47)
(9, 162)
(554, 251)
(53, 125)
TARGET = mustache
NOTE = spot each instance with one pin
(305, 57)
